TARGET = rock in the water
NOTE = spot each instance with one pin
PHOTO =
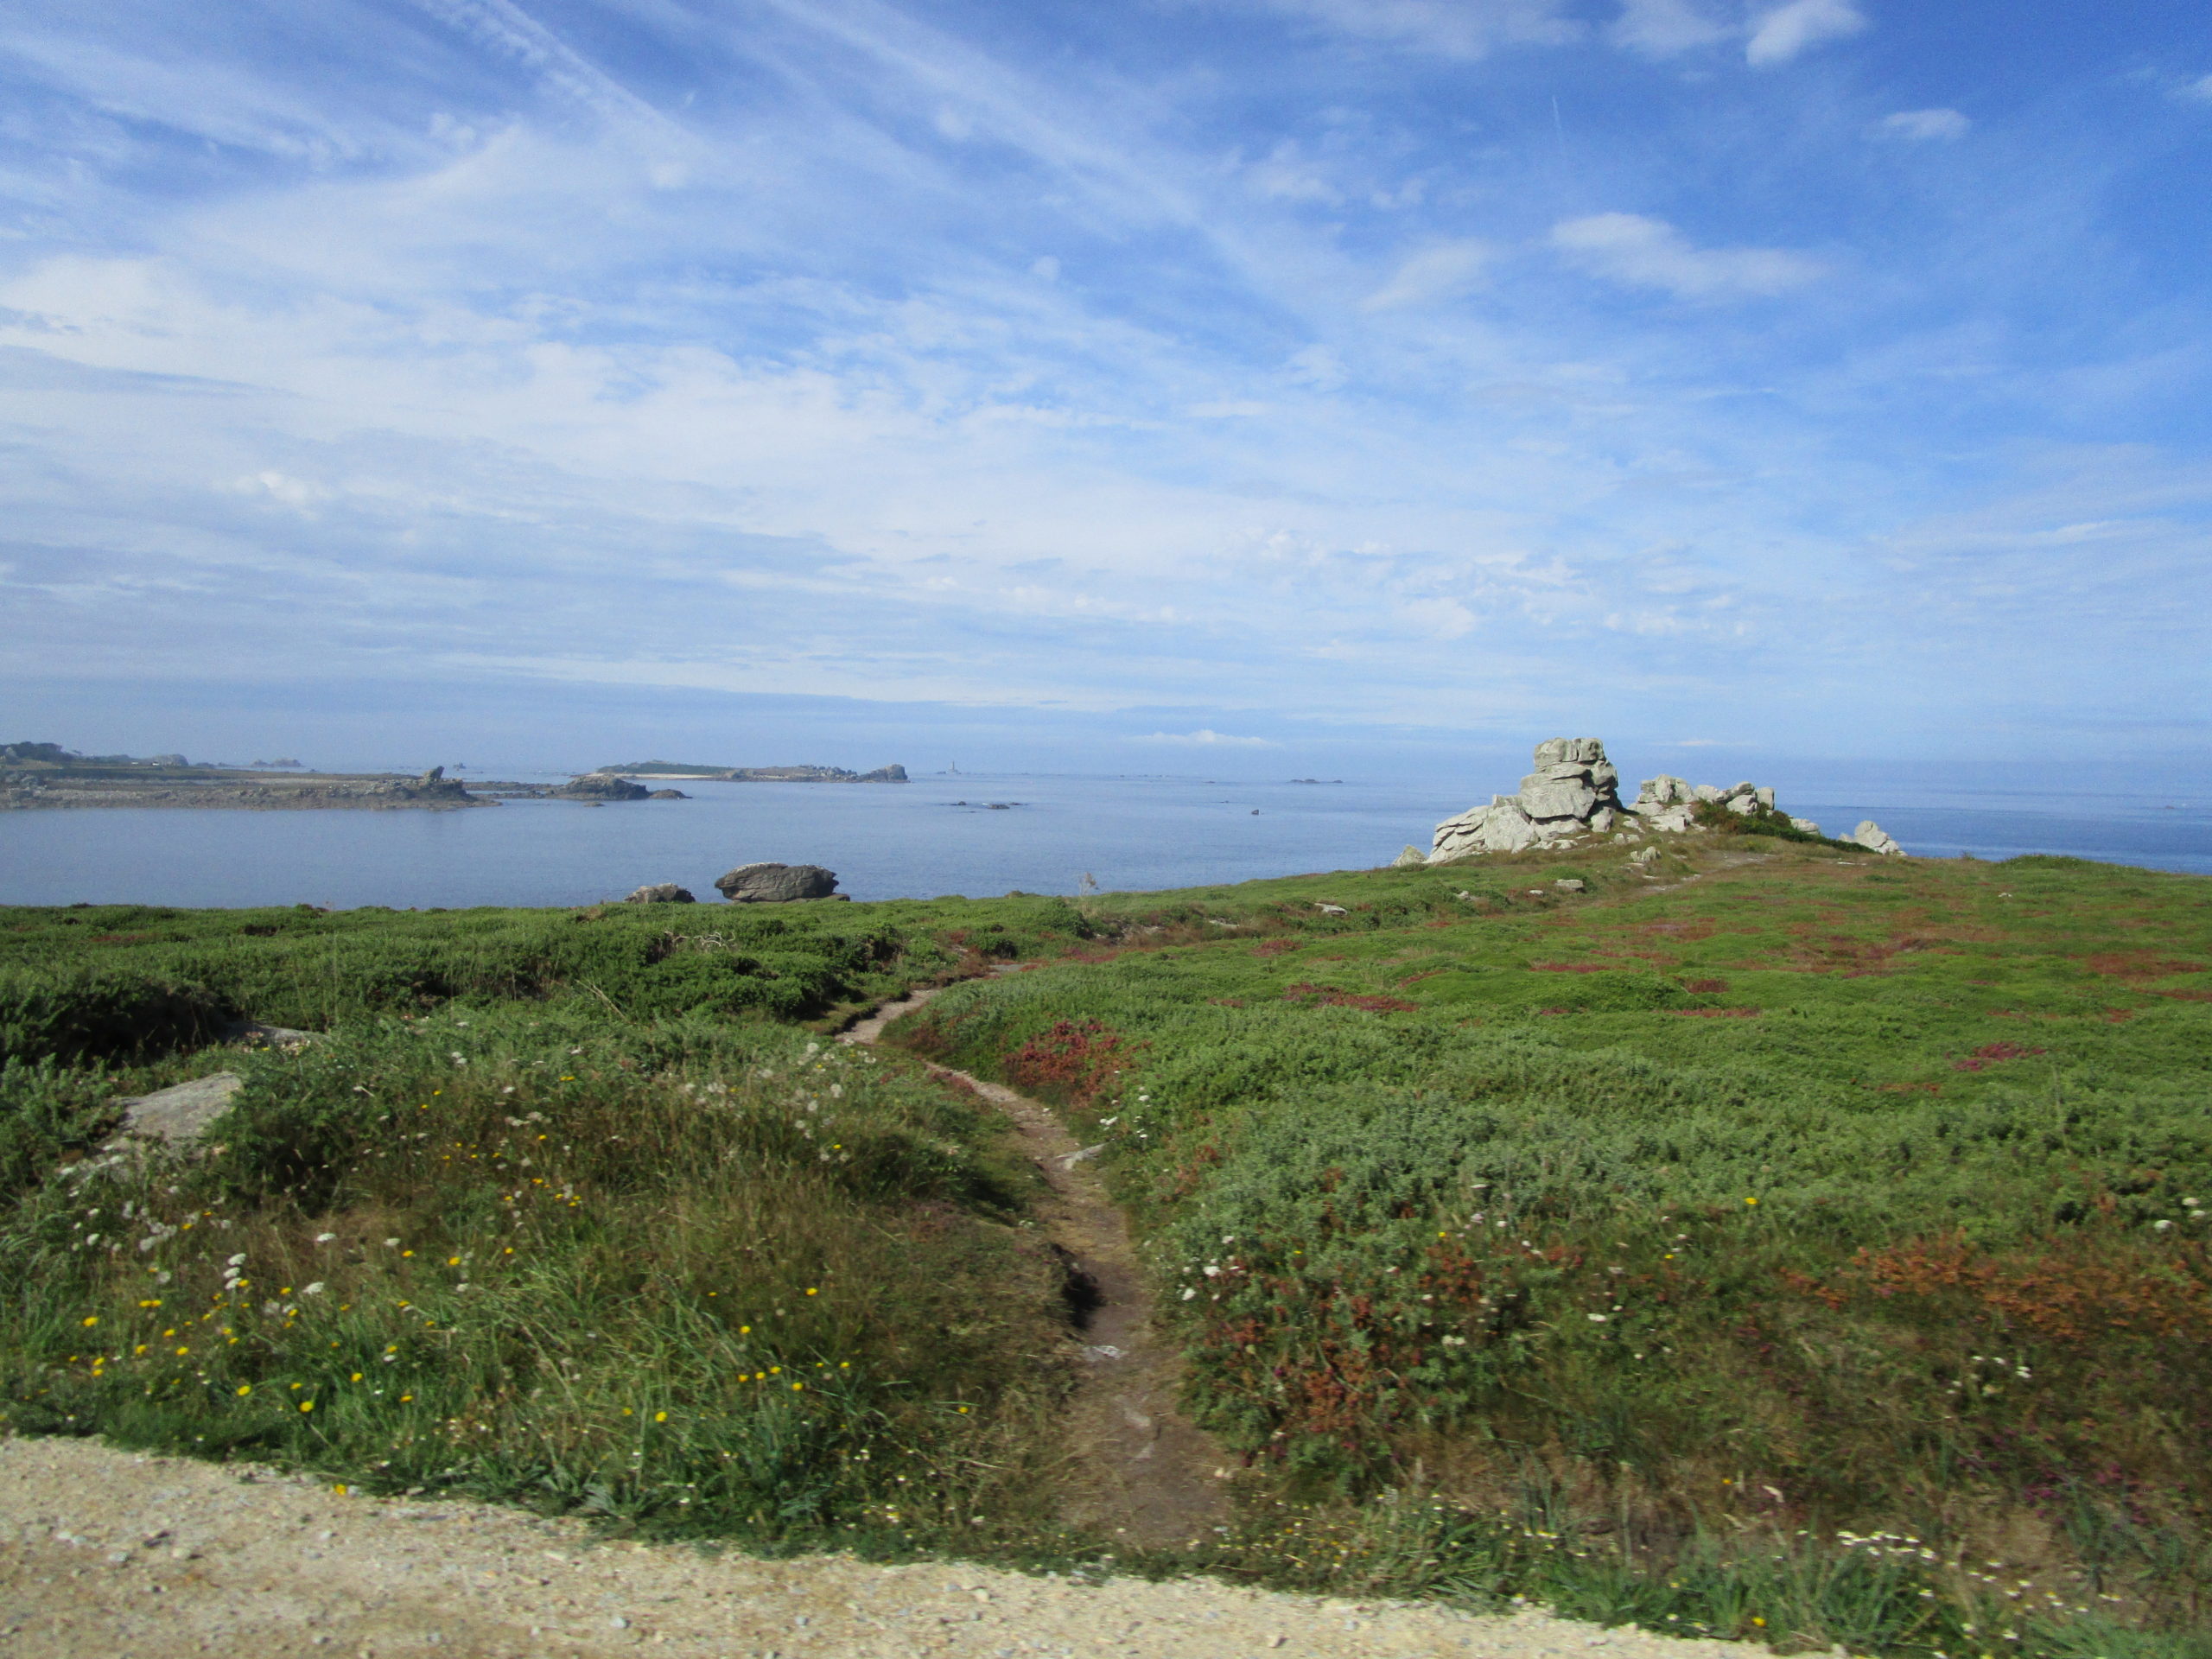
(666, 795)
(776, 884)
(180, 1115)
(1411, 858)
(600, 786)
(662, 893)
(1870, 836)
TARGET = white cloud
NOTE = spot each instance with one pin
(1925, 123)
(1285, 177)
(1782, 33)
(2199, 88)
(1438, 619)
(1452, 29)
(1660, 28)
(1651, 253)
(1206, 737)
(1432, 275)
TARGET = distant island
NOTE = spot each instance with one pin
(755, 774)
(47, 776)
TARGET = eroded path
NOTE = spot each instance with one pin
(1135, 1466)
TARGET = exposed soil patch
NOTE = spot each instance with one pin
(2139, 964)
(1135, 1465)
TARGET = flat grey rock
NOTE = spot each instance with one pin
(776, 884)
(178, 1115)
(254, 1034)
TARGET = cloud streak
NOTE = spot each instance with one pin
(1641, 252)
(1787, 31)
(1924, 124)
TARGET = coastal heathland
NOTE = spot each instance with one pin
(1762, 1241)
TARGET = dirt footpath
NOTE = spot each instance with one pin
(1133, 1466)
(108, 1554)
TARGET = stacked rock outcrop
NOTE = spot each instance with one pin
(1574, 791)
(1665, 802)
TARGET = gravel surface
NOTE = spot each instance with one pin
(113, 1554)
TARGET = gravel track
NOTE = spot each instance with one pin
(110, 1554)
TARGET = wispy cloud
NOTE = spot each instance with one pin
(1662, 28)
(1431, 276)
(1644, 253)
(1921, 124)
(1205, 738)
(1454, 28)
(1784, 33)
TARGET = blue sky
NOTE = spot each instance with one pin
(1215, 385)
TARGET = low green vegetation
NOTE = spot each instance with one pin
(1777, 1243)
(1812, 1199)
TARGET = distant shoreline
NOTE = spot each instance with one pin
(252, 793)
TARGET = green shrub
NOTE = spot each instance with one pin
(80, 1012)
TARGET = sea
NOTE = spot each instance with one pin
(980, 835)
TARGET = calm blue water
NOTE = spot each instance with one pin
(892, 840)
